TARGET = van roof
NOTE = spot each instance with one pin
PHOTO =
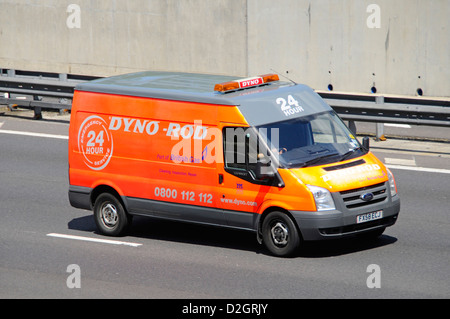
(193, 87)
(190, 87)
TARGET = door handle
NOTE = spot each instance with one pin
(220, 178)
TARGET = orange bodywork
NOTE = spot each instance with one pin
(150, 156)
(142, 162)
(159, 149)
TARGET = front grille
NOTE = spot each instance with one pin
(352, 198)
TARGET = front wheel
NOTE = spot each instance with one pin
(280, 235)
(110, 216)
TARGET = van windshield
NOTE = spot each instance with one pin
(311, 140)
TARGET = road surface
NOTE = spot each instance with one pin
(50, 250)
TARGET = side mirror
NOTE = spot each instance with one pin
(366, 142)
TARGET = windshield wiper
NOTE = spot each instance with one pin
(317, 159)
(349, 153)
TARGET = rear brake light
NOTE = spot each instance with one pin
(246, 83)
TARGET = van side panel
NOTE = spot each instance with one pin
(157, 154)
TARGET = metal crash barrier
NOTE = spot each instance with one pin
(397, 110)
(38, 91)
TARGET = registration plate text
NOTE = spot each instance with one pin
(369, 217)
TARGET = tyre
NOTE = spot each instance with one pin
(110, 216)
(280, 234)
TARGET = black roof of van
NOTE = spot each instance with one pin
(192, 87)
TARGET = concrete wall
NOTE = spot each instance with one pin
(396, 46)
(326, 42)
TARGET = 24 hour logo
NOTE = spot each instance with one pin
(95, 142)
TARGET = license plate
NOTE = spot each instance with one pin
(369, 217)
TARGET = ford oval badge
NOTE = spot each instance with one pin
(366, 197)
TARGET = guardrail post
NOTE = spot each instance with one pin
(62, 76)
(37, 109)
(380, 126)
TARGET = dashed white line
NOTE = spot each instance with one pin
(420, 169)
(62, 137)
(97, 240)
(400, 161)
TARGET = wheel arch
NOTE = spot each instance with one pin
(103, 188)
(269, 210)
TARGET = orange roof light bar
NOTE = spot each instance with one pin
(246, 83)
(270, 77)
(226, 86)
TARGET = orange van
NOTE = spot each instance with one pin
(256, 154)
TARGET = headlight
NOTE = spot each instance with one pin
(323, 198)
(392, 185)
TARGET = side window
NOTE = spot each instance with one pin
(234, 144)
(241, 150)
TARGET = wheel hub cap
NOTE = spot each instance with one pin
(280, 234)
(109, 215)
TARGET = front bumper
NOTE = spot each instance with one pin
(341, 222)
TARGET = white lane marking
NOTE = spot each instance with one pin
(97, 240)
(397, 125)
(61, 137)
(420, 169)
(400, 161)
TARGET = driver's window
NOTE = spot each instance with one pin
(234, 144)
(240, 142)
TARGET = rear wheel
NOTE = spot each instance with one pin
(280, 235)
(110, 216)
